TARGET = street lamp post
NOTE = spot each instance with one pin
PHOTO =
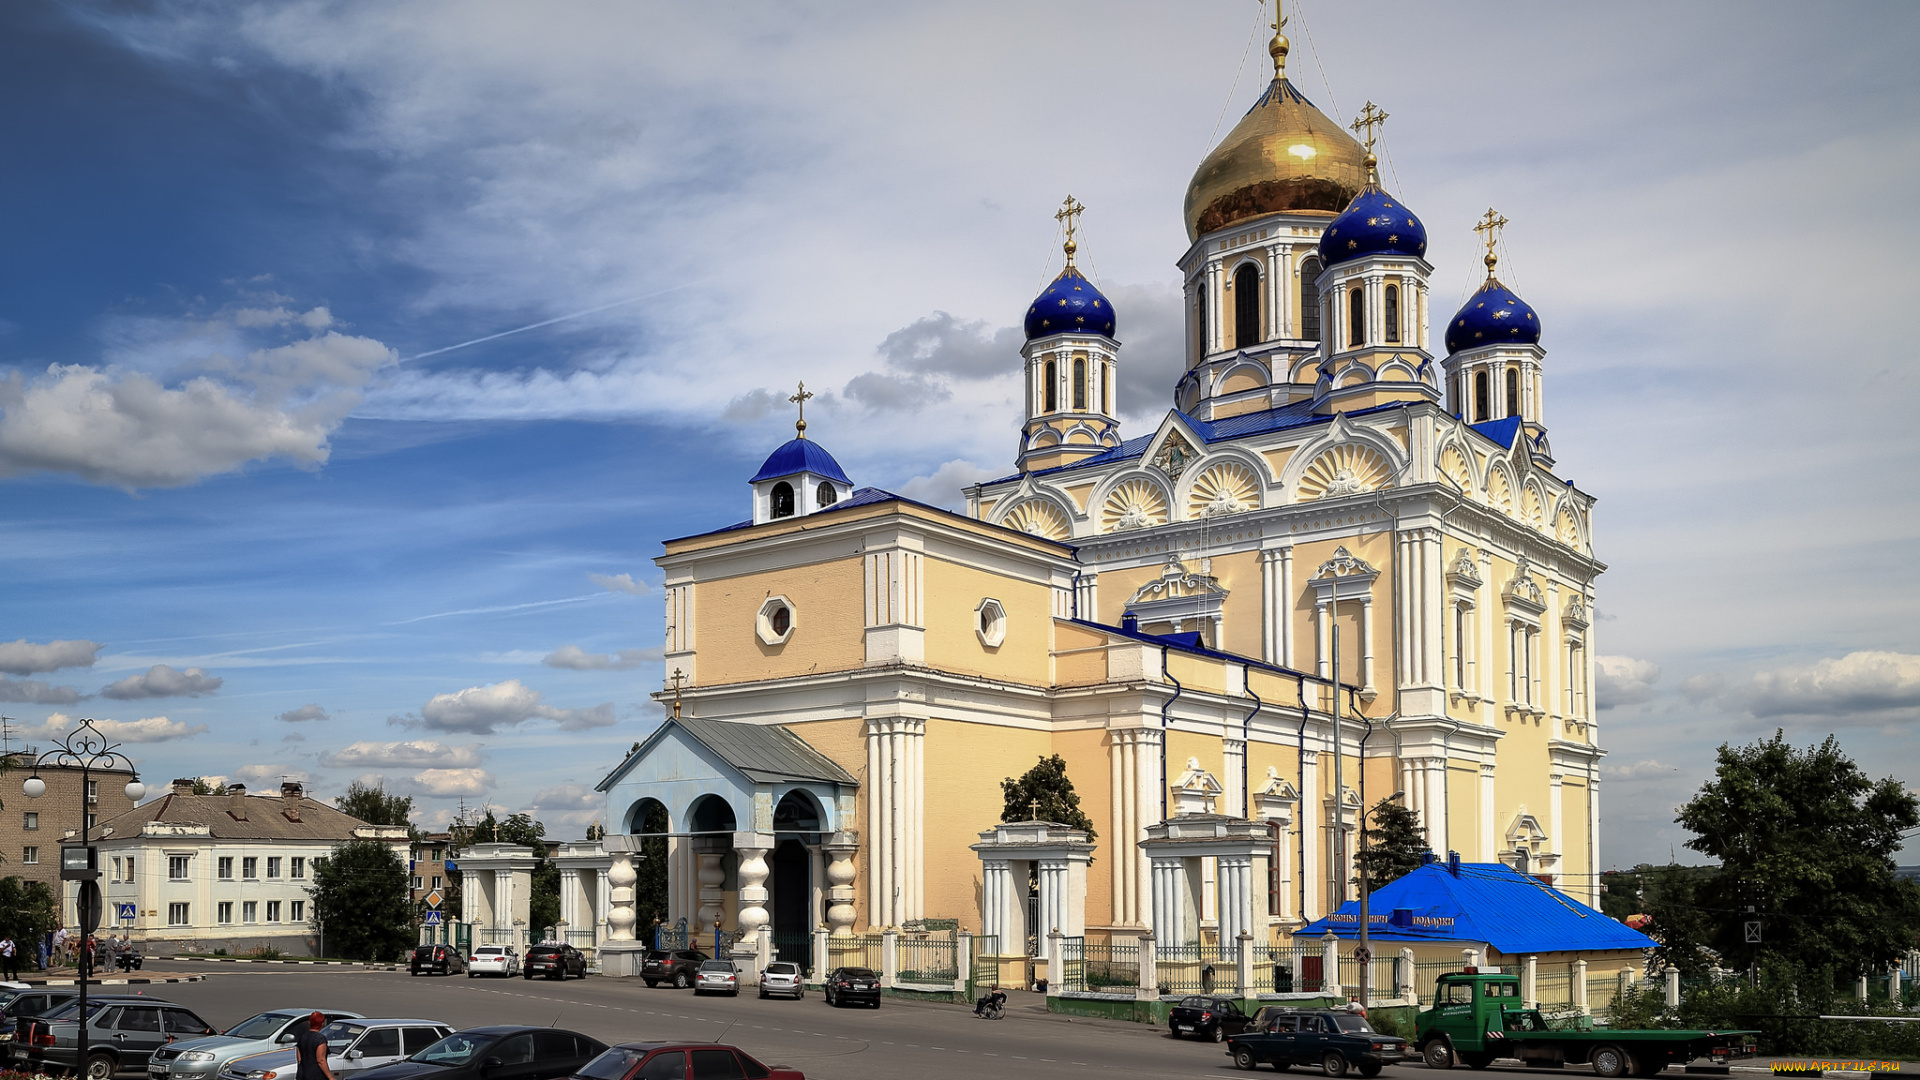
(87, 748)
(1366, 913)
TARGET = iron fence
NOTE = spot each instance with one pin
(1099, 966)
(795, 947)
(1426, 976)
(496, 935)
(986, 970)
(857, 950)
(927, 958)
(1197, 969)
(582, 940)
(671, 936)
(1553, 988)
(1604, 990)
(1383, 974)
(1288, 968)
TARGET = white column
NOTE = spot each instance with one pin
(1216, 308)
(1485, 651)
(1236, 896)
(1489, 824)
(917, 757)
(1170, 900)
(993, 903)
(620, 916)
(1366, 643)
(1116, 828)
(1233, 756)
(1285, 607)
(1437, 802)
(1593, 836)
(1322, 626)
(1146, 753)
(876, 827)
(1556, 837)
(840, 875)
(753, 872)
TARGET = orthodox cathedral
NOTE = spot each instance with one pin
(1342, 569)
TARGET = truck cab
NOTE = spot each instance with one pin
(1468, 1007)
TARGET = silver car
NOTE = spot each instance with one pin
(352, 1045)
(717, 976)
(201, 1059)
(781, 977)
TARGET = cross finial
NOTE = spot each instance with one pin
(1033, 809)
(1277, 48)
(1367, 126)
(1489, 228)
(1070, 214)
(678, 679)
(801, 399)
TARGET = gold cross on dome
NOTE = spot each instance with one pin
(1070, 215)
(1033, 809)
(1369, 121)
(1277, 48)
(1490, 225)
(801, 399)
(678, 679)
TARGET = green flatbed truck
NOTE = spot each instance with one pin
(1477, 1017)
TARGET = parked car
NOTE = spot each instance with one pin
(495, 1053)
(555, 962)
(717, 976)
(1333, 1039)
(18, 1005)
(352, 1046)
(1207, 1017)
(436, 960)
(676, 1061)
(122, 1031)
(781, 977)
(493, 960)
(676, 966)
(852, 984)
(199, 1059)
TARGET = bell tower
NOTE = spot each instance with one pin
(1072, 365)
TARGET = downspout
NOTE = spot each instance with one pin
(1300, 864)
(1165, 726)
(1246, 744)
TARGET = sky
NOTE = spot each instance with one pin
(355, 357)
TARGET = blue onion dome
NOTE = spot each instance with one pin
(1374, 223)
(798, 456)
(1493, 315)
(1070, 305)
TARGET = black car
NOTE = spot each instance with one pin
(19, 1005)
(658, 1060)
(853, 984)
(495, 1053)
(436, 960)
(555, 962)
(1207, 1017)
(1333, 1039)
(676, 966)
(122, 1032)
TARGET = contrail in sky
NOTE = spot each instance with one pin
(503, 607)
(546, 322)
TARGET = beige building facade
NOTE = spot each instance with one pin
(31, 830)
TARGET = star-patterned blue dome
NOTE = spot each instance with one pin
(1373, 223)
(1493, 315)
(1070, 305)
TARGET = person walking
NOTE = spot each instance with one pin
(60, 946)
(9, 957)
(312, 1050)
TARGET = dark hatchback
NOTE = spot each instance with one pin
(122, 1032)
(17, 1005)
(853, 985)
(555, 962)
(1204, 1017)
(680, 1061)
(436, 960)
(676, 966)
(1332, 1039)
(495, 1053)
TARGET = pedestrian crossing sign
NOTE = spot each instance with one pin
(432, 918)
(126, 911)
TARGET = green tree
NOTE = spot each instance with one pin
(203, 786)
(650, 886)
(372, 804)
(360, 903)
(543, 898)
(1396, 844)
(28, 909)
(1045, 793)
(1806, 844)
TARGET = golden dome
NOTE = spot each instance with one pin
(1283, 155)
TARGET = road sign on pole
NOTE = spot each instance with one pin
(434, 898)
(432, 918)
(127, 912)
(1753, 932)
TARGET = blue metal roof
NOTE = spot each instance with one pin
(798, 456)
(1493, 314)
(1486, 902)
(1373, 223)
(1500, 431)
(1070, 303)
(869, 496)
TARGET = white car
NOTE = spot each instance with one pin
(493, 960)
(781, 977)
(719, 976)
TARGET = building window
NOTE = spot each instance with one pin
(826, 496)
(1246, 306)
(30, 820)
(249, 867)
(226, 912)
(297, 910)
(297, 867)
(1392, 312)
(775, 622)
(436, 881)
(177, 867)
(1080, 385)
(782, 499)
(93, 791)
(132, 861)
(416, 881)
(1513, 391)
(116, 868)
(1276, 891)
(93, 820)
(273, 911)
(991, 623)
(1356, 318)
(273, 866)
(1050, 394)
(1460, 648)
(31, 857)
(177, 914)
(1200, 321)
(1480, 404)
(250, 911)
(226, 868)
(1310, 299)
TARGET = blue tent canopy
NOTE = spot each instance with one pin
(1484, 902)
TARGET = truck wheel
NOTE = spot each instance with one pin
(1243, 1059)
(1649, 1064)
(1610, 1061)
(1370, 1071)
(1334, 1065)
(99, 1067)
(1476, 1061)
(1437, 1054)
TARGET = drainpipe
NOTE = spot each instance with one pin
(1300, 864)
(1246, 745)
(1166, 726)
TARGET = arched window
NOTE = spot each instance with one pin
(782, 499)
(1393, 312)
(1080, 384)
(1246, 306)
(826, 496)
(1513, 391)
(1480, 404)
(1200, 322)
(1356, 319)
(1052, 392)
(1310, 299)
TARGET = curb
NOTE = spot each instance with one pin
(117, 982)
(304, 963)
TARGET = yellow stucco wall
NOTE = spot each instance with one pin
(963, 802)
(1089, 766)
(953, 594)
(829, 623)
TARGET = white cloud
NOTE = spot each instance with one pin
(304, 714)
(411, 754)
(318, 318)
(945, 485)
(293, 736)
(151, 729)
(446, 783)
(1862, 686)
(1641, 770)
(160, 681)
(480, 710)
(574, 658)
(1702, 688)
(36, 692)
(569, 804)
(25, 657)
(1623, 680)
(619, 583)
(270, 776)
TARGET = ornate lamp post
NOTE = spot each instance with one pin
(87, 748)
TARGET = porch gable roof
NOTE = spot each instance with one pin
(763, 753)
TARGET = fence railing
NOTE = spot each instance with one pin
(931, 958)
(857, 950)
(986, 971)
(582, 940)
(496, 935)
(1099, 966)
(1197, 969)
(1288, 969)
(1426, 976)
(1383, 974)
(1604, 990)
